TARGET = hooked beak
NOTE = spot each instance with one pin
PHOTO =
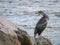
(37, 13)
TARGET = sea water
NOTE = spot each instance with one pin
(22, 13)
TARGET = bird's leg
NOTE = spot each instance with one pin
(34, 35)
(37, 39)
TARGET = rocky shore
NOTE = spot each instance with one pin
(10, 34)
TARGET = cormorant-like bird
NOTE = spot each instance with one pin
(42, 23)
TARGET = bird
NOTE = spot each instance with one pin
(41, 24)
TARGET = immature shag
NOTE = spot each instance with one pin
(42, 23)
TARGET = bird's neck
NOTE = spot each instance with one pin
(44, 14)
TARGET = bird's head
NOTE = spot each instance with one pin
(40, 13)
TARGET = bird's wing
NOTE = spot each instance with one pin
(40, 25)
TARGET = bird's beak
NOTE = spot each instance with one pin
(36, 13)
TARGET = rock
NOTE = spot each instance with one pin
(7, 27)
(7, 34)
(8, 39)
(42, 41)
(10, 34)
(23, 37)
(45, 41)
